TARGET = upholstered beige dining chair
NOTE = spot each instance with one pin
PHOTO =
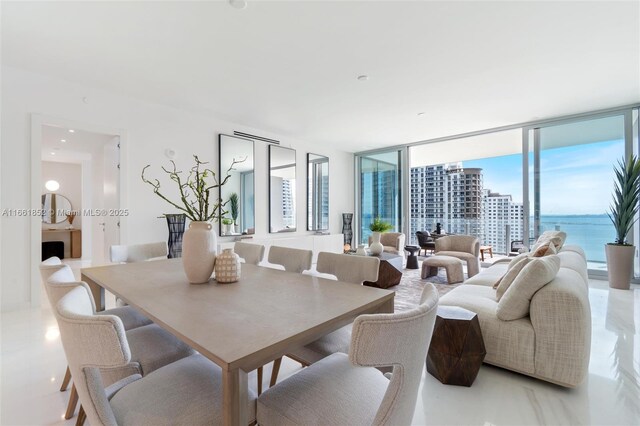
(152, 347)
(293, 260)
(349, 268)
(62, 280)
(250, 253)
(138, 252)
(338, 391)
(188, 391)
(464, 247)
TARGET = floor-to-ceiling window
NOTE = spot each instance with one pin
(572, 181)
(380, 178)
(469, 186)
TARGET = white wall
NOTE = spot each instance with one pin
(150, 130)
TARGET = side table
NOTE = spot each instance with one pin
(412, 259)
(457, 348)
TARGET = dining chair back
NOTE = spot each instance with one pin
(293, 260)
(137, 252)
(349, 268)
(250, 253)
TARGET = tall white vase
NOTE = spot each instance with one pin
(199, 245)
(376, 247)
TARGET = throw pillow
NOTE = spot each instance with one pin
(517, 259)
(545, 249)
(556, 237)
(508, 278)
(515, 302)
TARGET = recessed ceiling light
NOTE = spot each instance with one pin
(421, 114)
(52, 153)
(63, 140)
(363, 77)
(71, 131)
(238, 4)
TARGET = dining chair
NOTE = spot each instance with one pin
(152, 347)
(187, 391)
(138, 252)
(292, 259)
(250, 253)
(346, 267)
(61, 278)
(341, 390)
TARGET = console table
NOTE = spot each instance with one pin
(75, 239)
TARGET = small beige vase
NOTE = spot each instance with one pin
(376, 246)
(227, 267)
(619, 265)
(199, 245)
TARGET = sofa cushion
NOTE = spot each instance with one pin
(535, 275)
(508, 278)
(509, 344)
(556, 237)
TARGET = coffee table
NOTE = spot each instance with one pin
(390, 271)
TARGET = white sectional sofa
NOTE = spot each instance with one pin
(553, 343)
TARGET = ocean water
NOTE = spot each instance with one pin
(591, 232)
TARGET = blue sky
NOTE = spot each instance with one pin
(574, 180)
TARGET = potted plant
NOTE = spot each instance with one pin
(198, 202)
(378, 226)
(623, 212)
(226, 222)
(234, 207)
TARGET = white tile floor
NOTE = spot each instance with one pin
(33, 365)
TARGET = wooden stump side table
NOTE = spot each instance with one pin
(390, 271)
(457, 348)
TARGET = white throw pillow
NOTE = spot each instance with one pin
(515, 302)
(556, 237)
(508, 278)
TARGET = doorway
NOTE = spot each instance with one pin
(78, 166)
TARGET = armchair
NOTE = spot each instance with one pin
(464, 247)
(426, 241)
(393, 242)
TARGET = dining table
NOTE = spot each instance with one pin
(239, 326)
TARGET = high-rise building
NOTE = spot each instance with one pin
(498, 212)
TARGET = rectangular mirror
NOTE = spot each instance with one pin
(317, 192)
(238, 192)
(282, 189)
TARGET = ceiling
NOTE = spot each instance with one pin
(292, 67)
(59, 144)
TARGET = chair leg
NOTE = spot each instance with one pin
(66, 380)
(275, 371)
(73, 401)
(259, 381)
(82, 416)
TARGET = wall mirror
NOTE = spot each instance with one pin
(317, 192)
(55, 208)
(282, 189)
(238, 192)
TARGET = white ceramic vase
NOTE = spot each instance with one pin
(227, 267)
(376, 247)
(199, 245)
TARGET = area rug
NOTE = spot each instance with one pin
(410, 288)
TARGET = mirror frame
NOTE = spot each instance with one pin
(309, 195)
(42, 208)
(253, 150)
(295, 164)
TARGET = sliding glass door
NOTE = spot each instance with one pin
(571, 171)
(380, 191)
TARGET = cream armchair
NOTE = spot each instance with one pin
(464, 247)
(393, 242)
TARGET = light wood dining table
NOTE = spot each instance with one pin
(239, 326)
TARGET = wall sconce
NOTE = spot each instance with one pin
(52, 185)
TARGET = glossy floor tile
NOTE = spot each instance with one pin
(33, 365)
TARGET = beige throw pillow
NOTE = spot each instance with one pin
(514, 304)
(517, 259)
(510, 276)
(545, 249)
(556, 237)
